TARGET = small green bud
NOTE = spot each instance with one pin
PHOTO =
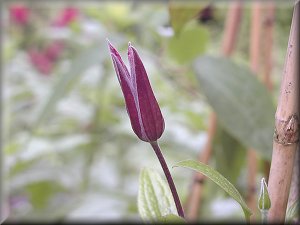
(264, 202)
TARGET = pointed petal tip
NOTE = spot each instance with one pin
(112, 49)
(108, 42)
(130, 50)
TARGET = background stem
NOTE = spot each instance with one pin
(268, 30)
(264, 216)
(255, 59)
(165, 168)
(232, 24)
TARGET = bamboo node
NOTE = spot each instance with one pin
(287, 131)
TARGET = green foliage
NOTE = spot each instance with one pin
(292, 213)
(243, 105)
(171, 218)
(80, 63)
(181, 13)
(229, 154)
(191, 42)
(40, 192)
(154, 197)
(219, 179)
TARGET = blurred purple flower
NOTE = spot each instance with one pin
(19, 14)
(44, 59)
(54, 50)
(67, 16)
(40, 61)
(146, 119)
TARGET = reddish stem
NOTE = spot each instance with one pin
(165, 168)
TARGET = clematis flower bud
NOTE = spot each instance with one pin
(145, 116)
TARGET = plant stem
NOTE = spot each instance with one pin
(255, 63)
(194, 199)
(264, 216)
(286, 135)
(268, 31)
(164, 166)
(233, 20)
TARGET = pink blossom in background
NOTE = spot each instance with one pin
(19, 14)
(44, 59)
(67, 16)
(40, 61)
(54, 50)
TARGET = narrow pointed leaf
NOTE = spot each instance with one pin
(154, 197)
(171, 218)
(292, 213)
(219, 179)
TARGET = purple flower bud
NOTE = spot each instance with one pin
(146, 119)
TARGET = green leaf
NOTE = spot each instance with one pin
(243, 105)
(189, 44)
(154, 197)
(181, 13)
(41, 192)
(171, 218)
(82, 62)
(293, 212)
(229, 153)
(219, 179)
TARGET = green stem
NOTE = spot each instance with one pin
(165, 168)
(264, 216)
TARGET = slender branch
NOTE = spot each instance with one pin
(255, 53)
(268, 27)
(194, 198)
(165, 168)
(232, 24)
(264, 216)
(193, 203)
(286, 135)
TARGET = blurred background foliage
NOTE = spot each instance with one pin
(69, 149)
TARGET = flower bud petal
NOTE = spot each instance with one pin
(152, 118)
(143, 110)
(126, 86)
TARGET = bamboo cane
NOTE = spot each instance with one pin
(286, 134)
(229, 40)
(268, 27)
(255, 53)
